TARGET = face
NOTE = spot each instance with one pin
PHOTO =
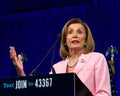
(76, 36)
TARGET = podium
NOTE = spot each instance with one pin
(67, 84)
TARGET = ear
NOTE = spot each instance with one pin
(85, 44)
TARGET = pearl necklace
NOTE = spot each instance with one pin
(72, 65)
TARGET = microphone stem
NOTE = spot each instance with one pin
(33, 72)
(52, 69)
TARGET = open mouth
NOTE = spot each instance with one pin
(75, 41)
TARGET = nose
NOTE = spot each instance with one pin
(75, 34)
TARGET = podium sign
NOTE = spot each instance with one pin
(46, 85)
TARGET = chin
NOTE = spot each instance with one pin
(76, 48)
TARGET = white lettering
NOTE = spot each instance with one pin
(44, 82)
(21, 84)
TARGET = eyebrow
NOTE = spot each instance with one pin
(78, 28)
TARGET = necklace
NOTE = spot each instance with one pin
(72, 65)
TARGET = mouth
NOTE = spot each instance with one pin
(75, 41)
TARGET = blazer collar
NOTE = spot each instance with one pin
(83, 59)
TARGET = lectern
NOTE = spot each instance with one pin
(67, 84)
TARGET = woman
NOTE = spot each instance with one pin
(76, 50)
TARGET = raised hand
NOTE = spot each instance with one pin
(17, 61)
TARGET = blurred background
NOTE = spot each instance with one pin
(32, 26)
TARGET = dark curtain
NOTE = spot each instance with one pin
(34, 32)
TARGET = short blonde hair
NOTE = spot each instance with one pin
(90, 45)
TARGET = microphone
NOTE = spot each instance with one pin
(52, 69)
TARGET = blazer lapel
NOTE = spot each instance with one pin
(64, 66)
(81, 63)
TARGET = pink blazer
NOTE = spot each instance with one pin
(92, 69)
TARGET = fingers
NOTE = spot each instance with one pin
(13, 55)
(12, 52)
(17, 61)
(19, 57)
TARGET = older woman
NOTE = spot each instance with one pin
(76, 50)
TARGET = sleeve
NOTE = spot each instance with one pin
(102, 77)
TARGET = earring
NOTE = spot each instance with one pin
(85, 44)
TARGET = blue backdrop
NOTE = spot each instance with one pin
(34, 31)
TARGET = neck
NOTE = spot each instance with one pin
(76, 53)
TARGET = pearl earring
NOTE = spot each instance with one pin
(85, 44)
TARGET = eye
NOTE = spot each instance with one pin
(70, 31)
(79, 32)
